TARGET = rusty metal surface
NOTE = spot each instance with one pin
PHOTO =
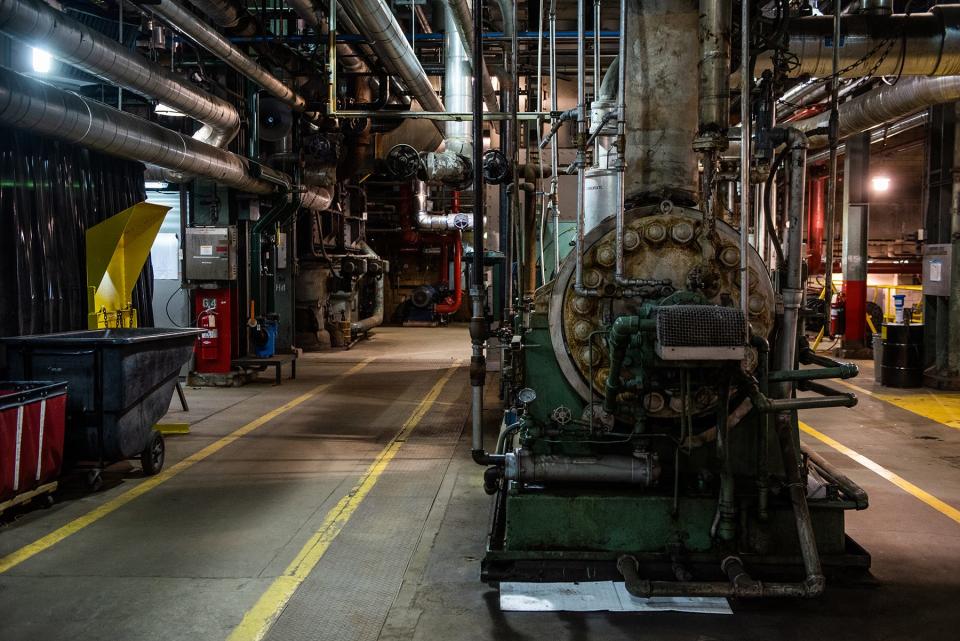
(662, 242)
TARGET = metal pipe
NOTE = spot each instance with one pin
(554, 148)
(596, 49)
(35, 23)
(830, 223)
(581, 159)
(380, 27)
(832, 475)
(429, 221)
(746, 137)
(35, 106)
(460, 12)
(186, 22)
(920, 44)
(714, 99)
(376, 318)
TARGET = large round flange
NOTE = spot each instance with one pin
(661, 242)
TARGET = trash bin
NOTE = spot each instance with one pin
(121, 381)
(32, 416)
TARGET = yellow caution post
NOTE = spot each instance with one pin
(117, 248)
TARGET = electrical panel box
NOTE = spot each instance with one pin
(211, 253)
(937, 265)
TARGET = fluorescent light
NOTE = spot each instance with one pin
(42, 60)
(166, 110)
(156, 184)
(880, 183)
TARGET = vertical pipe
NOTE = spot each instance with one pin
(619, 277)
(596, 50)
(830, 225)
(953, 331)
(554, 149)
(581, 139)
(745, 141)
(478, 330)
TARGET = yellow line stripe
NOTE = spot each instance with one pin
(19, 556)
(257, 621)
(940, 407)
(876, 468)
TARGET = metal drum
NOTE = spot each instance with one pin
(902, 356)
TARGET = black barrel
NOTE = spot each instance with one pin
(902, 356)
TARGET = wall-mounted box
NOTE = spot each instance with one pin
(211, 253)
(937, 265)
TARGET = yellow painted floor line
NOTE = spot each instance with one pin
(947, 510)
(19, 556)
(942, 407)
(257, 621)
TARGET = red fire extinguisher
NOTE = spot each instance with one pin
(837, 315)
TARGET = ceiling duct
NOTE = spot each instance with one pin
(220, 46)
(37, 24)
(36, 106)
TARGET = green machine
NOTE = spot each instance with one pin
(652, 387)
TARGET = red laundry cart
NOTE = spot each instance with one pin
(32, 416)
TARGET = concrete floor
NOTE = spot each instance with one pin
(186, 559)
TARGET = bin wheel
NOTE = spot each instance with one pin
(152, 456)
(94, 480)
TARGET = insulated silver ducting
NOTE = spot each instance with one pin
(457, 87)
(35, 106)
(716, 17)
(885, 105)
(376, 318)
(217, 44)
(460, 13)
(35, 23)
(881, 134)
(307, 11)
(379, 26)
(661, 107)
(921, 44)
(223, 13)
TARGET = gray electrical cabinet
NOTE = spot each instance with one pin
(937, 265)
(211, 253)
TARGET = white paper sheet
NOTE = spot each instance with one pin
(596, 596)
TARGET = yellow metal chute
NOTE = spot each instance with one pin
(117, 248)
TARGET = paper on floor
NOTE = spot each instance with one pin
(594, 596)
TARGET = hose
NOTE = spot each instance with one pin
(767, 205)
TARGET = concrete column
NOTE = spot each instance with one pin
(856, 216)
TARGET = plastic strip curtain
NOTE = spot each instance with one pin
(50, 193)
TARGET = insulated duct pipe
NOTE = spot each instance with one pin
(716, 18)
(35, 106)
(452, 165)
(35, 23)
(217, 44)
(459, 12)
(922, 44)
(308, 12)
(885, 105)
(379, 26)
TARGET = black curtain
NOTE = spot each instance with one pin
(50, 193)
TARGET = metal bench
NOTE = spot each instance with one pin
(277, 362)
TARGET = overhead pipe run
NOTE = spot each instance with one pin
(35, 106)
(35, 23)
(213, 41)
(377, 23)
(921, 44)
(884, 105)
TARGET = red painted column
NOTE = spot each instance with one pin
(815, 225)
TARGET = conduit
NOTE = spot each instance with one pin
(35, 106)
(37, 24)
(217, 44)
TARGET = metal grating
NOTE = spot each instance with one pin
(707, 332)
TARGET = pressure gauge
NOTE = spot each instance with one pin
(526, 396)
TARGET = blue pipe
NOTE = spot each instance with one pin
(420, 37)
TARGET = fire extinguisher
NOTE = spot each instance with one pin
(210, 339)
(837, 315)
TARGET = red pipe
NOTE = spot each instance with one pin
(443, 275)
(451, 304)
(815, 225)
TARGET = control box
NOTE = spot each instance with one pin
(937, 265)
(211, 253)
